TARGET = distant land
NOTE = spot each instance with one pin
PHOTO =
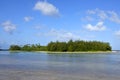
(4, 49)
(70, 46)
(116, 50)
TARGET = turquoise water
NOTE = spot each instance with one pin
(44, 66)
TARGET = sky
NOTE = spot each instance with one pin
(41, 21)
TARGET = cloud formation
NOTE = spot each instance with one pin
(98, 27)
(114, 17)
(46, 8)
(28, 18)
(100, 13)
(117, 33)
(104, 15)
(62, 35)
(8, 26)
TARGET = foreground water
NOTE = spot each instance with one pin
(43, 66)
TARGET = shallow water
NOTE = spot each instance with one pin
(44, 66)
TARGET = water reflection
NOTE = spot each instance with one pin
(95, 65)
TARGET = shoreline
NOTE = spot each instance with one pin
(54, 52)
(76, 52)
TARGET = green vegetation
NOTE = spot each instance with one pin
(70, 46)
(15, 47)
(28, 47)
(78, 45)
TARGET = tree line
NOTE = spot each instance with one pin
(70, 46)
(28, 47)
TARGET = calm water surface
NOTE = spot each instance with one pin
(44, 66)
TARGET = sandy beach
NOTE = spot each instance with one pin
(77, 52)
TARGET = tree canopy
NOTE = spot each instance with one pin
(79, 45)
(70, 46)
(28, 47)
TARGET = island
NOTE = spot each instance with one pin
(70, 46)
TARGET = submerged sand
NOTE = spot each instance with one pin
(49, 75)
(59, 67)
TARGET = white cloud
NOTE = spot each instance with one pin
(8, 26)
(91, 12)
(100, 13)
(98, 27)
(104, 15)
(28, 18)
(114, 17)
(88, 18)
(46, 8)
(62, 35)
(117, 33)
(38, 27)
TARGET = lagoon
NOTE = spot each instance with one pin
(46, 66)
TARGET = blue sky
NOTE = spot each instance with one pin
(41, 21)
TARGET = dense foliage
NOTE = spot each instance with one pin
(79, 46)
(15, 47)
(28, 47)
(70, 46)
